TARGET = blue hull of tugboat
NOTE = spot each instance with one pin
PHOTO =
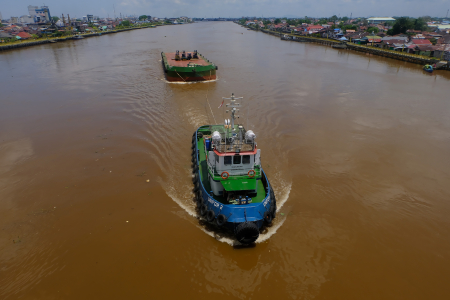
(235, 215)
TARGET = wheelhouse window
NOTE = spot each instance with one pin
(246, 159)
(227, 160)
(236, 160)
(217, 159)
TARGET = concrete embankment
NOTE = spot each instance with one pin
(408, 57)
(60, 39)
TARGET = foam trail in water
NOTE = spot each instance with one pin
(188, 205)
(271, 231)
(192, 82)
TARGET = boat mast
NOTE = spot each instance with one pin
(233, 105)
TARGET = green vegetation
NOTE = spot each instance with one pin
(402, 24)
(420, 24)
(143, 18)
(242, 21)
(349, 27)
(373, 29)
(125, 23)
(56, 19)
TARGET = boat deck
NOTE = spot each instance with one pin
(184, 63)
(203, 168)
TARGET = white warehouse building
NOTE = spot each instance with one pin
(379, 20)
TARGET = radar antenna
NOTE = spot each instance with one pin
(233, 105)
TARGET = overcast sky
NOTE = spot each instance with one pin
(232, 8)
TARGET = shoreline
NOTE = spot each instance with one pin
(42, 41)
(407, 57)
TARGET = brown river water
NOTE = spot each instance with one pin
(356, 146)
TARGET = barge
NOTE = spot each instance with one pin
(231, 188)
(190, 66)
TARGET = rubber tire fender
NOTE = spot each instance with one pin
(247, 233)
(273, 210)
(210, 215)
(195, 169)
(221, 220)
(268, 217)
(198, 197)
(203, 210)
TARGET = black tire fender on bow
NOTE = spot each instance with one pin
(195, 169)
(247, 233)
(203, 210)
(210, 215)
(221, 220)
(199, 197)
(273, 210)
(267, 217)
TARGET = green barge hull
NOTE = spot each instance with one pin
(184, 70)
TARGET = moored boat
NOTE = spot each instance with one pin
(428, 68)
(191, 66)
(231, 188)
(78, 37)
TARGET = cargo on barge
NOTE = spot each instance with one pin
(190, 66)
(231, 188)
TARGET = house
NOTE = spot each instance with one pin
(391, 44)
(314, 28)
(381, 28)
(372, 40)
(444, 39)
(421, 42)
(23, 35)
(426, 50)
(407, 48)
(4, 35)
(442, 52)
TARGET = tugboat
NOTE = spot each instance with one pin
(231, 188)
(187, 67)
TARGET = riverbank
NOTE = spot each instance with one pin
(408, 57)
(29, 43)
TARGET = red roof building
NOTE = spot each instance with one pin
(421, 42)
(314, 28)
(24, 35)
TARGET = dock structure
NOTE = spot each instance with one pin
(403, 56)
